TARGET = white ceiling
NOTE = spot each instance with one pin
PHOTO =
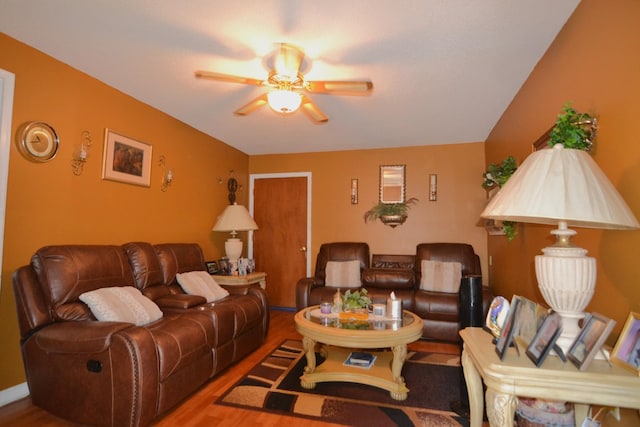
(443, 71)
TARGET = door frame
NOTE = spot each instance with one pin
(7, 85)
(253, 178)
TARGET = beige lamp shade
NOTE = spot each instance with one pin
(561, 184)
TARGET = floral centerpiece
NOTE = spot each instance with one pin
(355, 304)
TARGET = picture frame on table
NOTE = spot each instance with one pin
(530, 317)
(126, 160)
(589, 341)
(223, 266)
(626, 352)
(545, 339)
(508, 330)
(212, 267)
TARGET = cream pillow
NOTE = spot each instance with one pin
(121, 304)
(439, 276)
(201, 283)
(343, 274)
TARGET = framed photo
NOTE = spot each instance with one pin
(530, 317)
(626, 352)
(508, 329)
(223, 266)
(545, 338)
(126, 160)
(212, 267)
(595, 331)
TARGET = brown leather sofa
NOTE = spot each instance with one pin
(382, 274)
(119, 374)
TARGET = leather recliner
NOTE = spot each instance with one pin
(401, 274)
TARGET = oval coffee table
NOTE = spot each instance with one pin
(338, 337)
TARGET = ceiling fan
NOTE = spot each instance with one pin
(287, 86)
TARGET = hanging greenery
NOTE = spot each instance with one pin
(573, 129)
(496, 176)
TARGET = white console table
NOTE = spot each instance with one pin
(601, 384)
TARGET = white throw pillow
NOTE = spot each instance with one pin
(343, 274)
(440, 276)
(121, 304)
(201, 283)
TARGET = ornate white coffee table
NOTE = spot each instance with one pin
(337, 338)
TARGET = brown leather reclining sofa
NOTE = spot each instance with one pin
(441, 312)
(119, 374)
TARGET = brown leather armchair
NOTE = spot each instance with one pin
(440, 310)
(312, 290)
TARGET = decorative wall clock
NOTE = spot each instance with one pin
(38, 141)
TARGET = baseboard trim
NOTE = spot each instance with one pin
(14, 393)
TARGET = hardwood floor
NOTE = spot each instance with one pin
(198, 409)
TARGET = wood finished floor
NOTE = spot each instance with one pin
(198, 410)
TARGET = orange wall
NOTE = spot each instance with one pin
(48, 204)
(452, 218)
(593, 62)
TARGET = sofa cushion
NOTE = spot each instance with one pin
(343, 274)
(440, 276)
(121, 304)
(201, 283)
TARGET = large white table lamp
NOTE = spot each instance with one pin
(234, 218)
(564, 187)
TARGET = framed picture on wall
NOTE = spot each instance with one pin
(626, 352)
(595, 331)
(126, 160)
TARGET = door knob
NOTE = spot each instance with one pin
(303, 249)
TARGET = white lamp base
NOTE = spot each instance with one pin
(567, 280)
(233, 248)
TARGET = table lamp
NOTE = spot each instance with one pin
(234, 218)
(564, 187)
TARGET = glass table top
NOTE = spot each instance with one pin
(372, 322)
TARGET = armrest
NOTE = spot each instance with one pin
(303, 289)
(388, 278)
(180, 301)
(78, 337)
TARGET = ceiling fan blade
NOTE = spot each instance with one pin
(289, 60)
(252, 105)
(228, 78)
(312, 110)
(340, 87)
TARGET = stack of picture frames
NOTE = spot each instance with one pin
(532, 327)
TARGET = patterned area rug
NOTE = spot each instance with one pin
(274, 385)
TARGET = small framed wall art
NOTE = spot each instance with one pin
(126, 160)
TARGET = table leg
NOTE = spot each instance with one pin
(501, 408)
(399, 357)
(309, 346)
(474, 388)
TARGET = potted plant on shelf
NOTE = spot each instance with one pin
(573, 129)
(494, 178)
(391, 214)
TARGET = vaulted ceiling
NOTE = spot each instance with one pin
(443, 71)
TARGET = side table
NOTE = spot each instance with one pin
(247, 279)
(601, 384)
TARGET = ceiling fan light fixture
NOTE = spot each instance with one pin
(284, 101)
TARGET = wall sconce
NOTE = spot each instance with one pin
(354, 191)
(167, 175)
(433, 187)
(80, 158)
